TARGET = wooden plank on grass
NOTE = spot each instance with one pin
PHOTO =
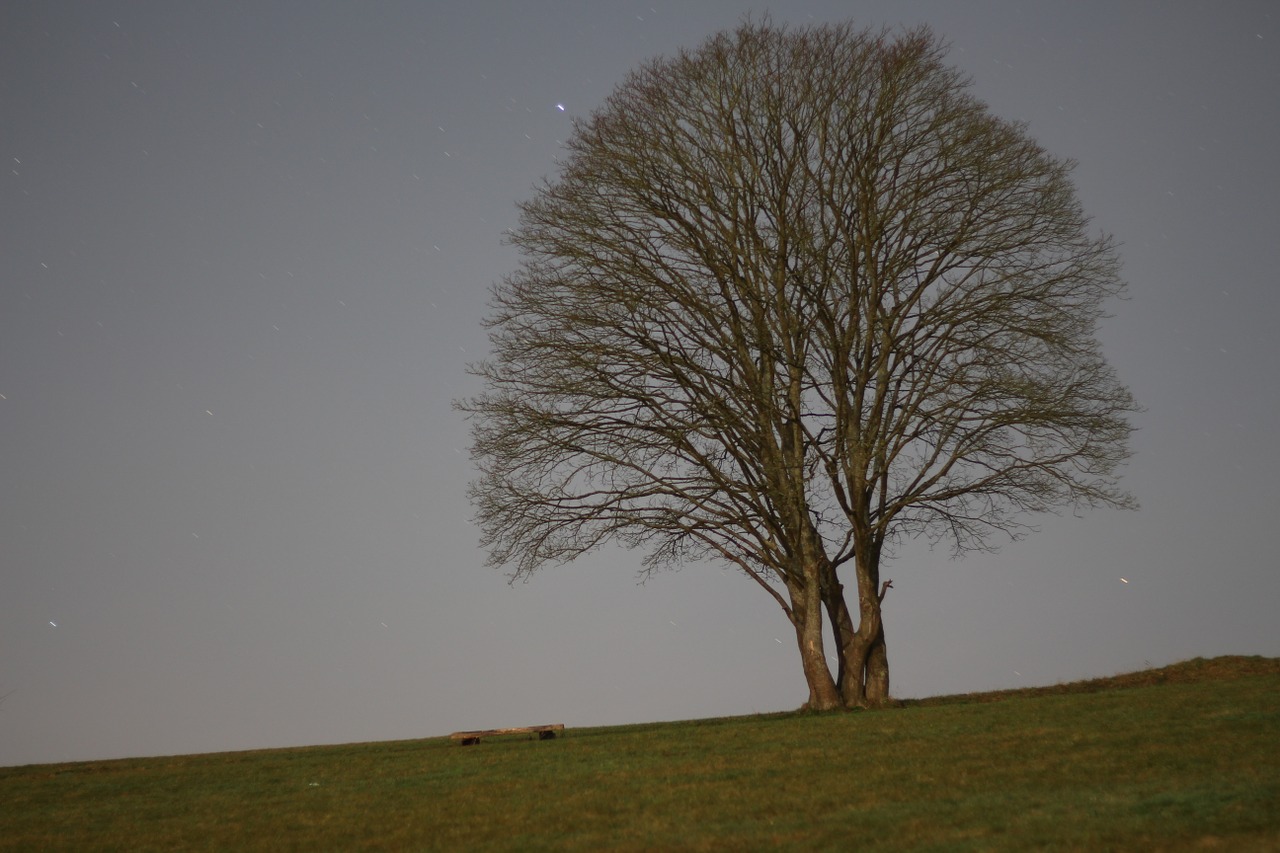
(543, 732)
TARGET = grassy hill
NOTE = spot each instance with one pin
(1183, 757)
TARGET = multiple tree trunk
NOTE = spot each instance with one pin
(861, 679)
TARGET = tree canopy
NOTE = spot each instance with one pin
(794, 296)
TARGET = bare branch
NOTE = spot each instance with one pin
(794, 296)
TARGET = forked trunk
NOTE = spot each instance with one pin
(864, 674)
(848, 675)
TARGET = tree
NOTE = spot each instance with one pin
(794, 297)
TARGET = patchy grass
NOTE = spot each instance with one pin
(1182, 757)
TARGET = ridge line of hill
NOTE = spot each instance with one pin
(1223, 668)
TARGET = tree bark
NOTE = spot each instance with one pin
(848, 675)
(864, 678)
(876, 684)
(876, 680)
(806, 616)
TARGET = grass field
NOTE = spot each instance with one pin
(1185, 757)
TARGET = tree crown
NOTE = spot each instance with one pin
(795, 291)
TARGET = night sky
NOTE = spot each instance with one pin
(245, 252)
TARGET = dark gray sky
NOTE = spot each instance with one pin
(244, 255)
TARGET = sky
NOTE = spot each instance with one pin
(245, 253)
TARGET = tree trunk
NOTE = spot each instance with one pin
(848, 676)
(865, 677)
(876, 684)
(806, 615)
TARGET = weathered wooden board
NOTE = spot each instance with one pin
(543, 732)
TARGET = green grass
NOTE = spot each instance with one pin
(1186, 757)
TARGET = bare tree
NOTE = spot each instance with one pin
(794, 297)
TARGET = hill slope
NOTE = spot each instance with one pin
(1194, 671)
(1177, 758)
